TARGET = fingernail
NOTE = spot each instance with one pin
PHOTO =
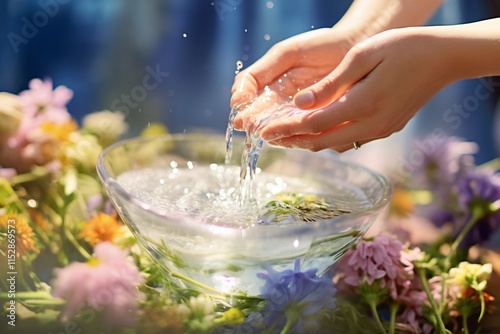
(304, 99)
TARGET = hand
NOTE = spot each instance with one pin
(286, 68)
(376, 89)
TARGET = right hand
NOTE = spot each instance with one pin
(288, 67)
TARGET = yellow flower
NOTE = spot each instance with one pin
(402, 203)
(467, 274)
(60, 131)
(101, 227)
(24, 238)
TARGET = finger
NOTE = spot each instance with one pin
(355, 66)
(353, 106)
(340, 138)
(280, 58)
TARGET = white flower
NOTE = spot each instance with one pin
(83, 150)
(11, 114)
(106, 125)
(470, 275)
(201, 314)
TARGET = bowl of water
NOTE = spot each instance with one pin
(208, 229)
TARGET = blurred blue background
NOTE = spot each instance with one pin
(173, 61)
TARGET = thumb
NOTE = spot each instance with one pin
(355, 66)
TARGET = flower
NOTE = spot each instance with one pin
(479, 195)
(200, 315)
(44, 104)
(11, 114)
(16, 224)
(82, 151)
(468, 275)
(101, 227)
(377, 261)
(443, 162)
(107, 283)
(293, 297)
(106, 125)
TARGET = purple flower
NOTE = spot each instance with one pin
(383, 261)
(479, 194)
(443, 162)
(295, 296)
(107, 284)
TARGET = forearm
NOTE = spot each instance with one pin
(366, 18)
(473, 48)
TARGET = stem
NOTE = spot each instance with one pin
(475, 216)
(437, 314)
(337, 236)
(206, 287)
(71, 238)
(464, 323)
(483, 303)
(393, 308)
(373, 308)
(291, 319)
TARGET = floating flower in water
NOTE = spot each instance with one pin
(200, 315)
(107, 283)
(16, 224)
(294, 298)
(101, 227)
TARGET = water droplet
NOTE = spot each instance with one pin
(184, 35)
(279, 80)
(296, 243)
(312, 27)
(162, 181)
(190, 164)
(267, 37)
(269, 4)
(173, 164)
(32, 203)
(246, 30)
(239, 65)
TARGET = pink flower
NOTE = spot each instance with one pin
(382, 260)
(42, 104)
(41, 101)
(106, 284)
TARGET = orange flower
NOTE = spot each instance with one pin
(39, 219)
(402, 203)
(16, 224)
(101, 227)
(60, 131)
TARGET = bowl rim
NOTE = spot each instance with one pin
(247, 232)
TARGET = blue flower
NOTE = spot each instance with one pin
(293, 298)
(479, 193)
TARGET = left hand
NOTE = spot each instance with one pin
(376, 89)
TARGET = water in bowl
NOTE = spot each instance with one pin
(236, 238)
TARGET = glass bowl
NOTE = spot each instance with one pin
(171, 190)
